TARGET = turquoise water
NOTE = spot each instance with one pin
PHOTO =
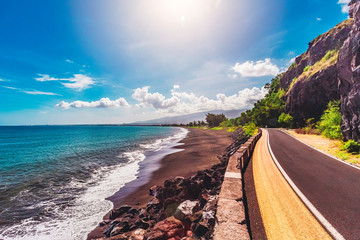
(51, 176)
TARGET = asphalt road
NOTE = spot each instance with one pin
(283, 214)
(331, 186)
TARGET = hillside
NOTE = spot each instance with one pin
(329, 70)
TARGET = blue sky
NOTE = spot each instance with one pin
(116, 61)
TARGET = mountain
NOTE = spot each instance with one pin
(184, 119)
(328, 70)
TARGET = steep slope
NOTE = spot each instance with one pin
(311, 82)
(348, 66)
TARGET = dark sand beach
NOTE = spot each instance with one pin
(199, 151)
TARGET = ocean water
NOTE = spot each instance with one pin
(54, 179)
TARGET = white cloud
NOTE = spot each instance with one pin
(31, 92)
(34, 92)
(183, 102)
(79, 82)
(176, 104)
(344, 5)
(10, 87)
(256, 69)
(69, 61)
(156, 100)
(176, 86)
(102, 103)
(318, 19)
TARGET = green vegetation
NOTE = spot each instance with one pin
(351, 146)
(329, 59)
(294, 65)
(293, 82)
(197, 124)
(267, 110)
(285, 120)
(250, 129)
(329, 55)
(330, 121)
(232, 129)
(216, 128)
(306, 68)
(214, 120)
(309, 128)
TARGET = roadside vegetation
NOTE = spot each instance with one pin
(329, 128)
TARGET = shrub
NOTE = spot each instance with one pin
(285, 120)
(306, 68)
(299, 131)
(351, 146)
(330, 121)
(250, 128)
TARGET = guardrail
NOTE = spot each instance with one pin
(230, 209)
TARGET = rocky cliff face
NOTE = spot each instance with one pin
(348, 65)
(328, 70)
(311, 82)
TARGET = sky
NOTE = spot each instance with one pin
(120, 61)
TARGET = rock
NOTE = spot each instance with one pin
(200, 229)
(141, 224)
(138, 234)
(349, 77)
(309, 97)
(154, 190)
(171, 226)
(186, 208)
(155, 235)
(120, 228)
(118, 212)
(153, 202)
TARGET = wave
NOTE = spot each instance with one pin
(81, 215)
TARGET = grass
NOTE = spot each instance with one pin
(232, 129)
(306, 68)
(292, 82)
(198, 127)
(329, 59)
(217, 128)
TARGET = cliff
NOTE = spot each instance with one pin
(348, 65)
(328, 70)
(311, 82)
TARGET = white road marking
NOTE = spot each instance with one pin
(331, 230)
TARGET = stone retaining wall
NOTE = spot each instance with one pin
(230, 209)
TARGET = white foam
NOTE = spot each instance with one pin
(76, 221)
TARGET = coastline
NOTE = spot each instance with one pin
(197, 151)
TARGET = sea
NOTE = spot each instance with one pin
(54, 180)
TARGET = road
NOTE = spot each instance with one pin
(283, 214)
(331, 186)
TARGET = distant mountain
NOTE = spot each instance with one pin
(188, 118)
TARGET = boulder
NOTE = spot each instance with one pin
(186, 208)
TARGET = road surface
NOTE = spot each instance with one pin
(331, 186)
(283, 213)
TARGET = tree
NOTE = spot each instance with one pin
(285, 120)
(214, 120)
(250, 129)
(330, 121)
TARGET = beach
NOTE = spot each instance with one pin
(196, 152)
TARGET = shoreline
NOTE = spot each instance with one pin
(196, 152)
